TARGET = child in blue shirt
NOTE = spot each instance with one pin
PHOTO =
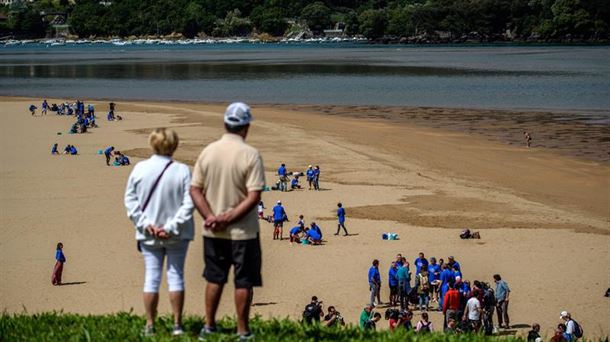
(54, 149)
(341, 218)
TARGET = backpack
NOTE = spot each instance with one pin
(310, 312)
(425, 328)
(578, 332)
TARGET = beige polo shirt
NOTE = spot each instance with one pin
(227, 170)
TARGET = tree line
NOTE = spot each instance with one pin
(485, 20)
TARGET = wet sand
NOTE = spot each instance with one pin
(543, 216)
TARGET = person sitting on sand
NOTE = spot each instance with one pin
(67, 149)
(32, 109)
(294, 184)
(365, 315)
(534, 334)
(372, 323)
(108, 153)
(316, 228)
(333, 318)
(295, 233)
(73, 150)
(313, 236)
(424, 325)
(451, 327)
(121, 159)
(54, 149)
(279, 216)
(60, 259)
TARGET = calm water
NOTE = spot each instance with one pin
(574, 79)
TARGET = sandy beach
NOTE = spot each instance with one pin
(543, 216)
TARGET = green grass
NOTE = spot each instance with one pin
(127, 326)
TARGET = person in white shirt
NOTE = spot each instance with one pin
(570, 325)
(472, 314)
(159, 205)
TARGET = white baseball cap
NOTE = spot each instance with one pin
(238, 114)
(564, 314)
(279, 202)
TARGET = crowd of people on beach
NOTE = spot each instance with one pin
(440, 286)
(161, 196)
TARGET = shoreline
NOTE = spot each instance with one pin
(377, 169)
(551, 130)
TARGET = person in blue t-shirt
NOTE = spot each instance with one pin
(420, 263)
(393, 283)
(73, 150)
(91, 110)
(32, 109)
(434, 276)
(454, 264)
(54, 149)
(314, 236)
(294, 184)
(45, 106)
(309, 174)
(283, 177)
(279, 216)
(108, 154)
(374, 279)
(341, 218)
(316, 178)
(316, 228)
(446, 278)
(295, 233)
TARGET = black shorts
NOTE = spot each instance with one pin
(278, 223)
(244, 255)
(394, 290)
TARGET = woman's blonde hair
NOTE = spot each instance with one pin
(163, 141)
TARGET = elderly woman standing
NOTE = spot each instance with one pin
(158, 202)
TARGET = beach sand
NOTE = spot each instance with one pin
(543, 216)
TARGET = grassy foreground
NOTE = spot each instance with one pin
(127, 326)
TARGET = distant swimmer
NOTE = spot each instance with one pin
(528, 139)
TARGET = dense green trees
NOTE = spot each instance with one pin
(414, 19)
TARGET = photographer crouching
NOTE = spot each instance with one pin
(333, 318)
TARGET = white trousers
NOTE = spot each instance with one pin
(153, 264)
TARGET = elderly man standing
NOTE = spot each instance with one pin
(228, 178)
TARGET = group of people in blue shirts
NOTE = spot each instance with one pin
(312, 174)
(69, 149)
(431, 281)
(300, 233)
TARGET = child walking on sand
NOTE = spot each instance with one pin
(60, 259)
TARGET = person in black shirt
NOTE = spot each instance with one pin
(333, 318)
